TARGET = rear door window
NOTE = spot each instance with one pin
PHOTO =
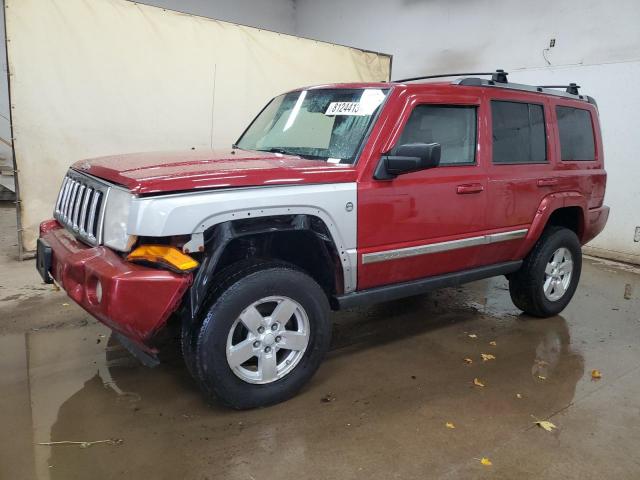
(452, 126)
(576, 134)
(518, 132)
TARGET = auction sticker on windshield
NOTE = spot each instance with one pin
(369, 101)
(343, 108)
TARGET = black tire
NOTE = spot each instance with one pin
(526, 286)
(244, 286)
(190, 327)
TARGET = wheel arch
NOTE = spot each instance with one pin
(565, 209)
(300, 239)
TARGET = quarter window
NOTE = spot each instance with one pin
(518, 132)
(452, 126)
(576, 134)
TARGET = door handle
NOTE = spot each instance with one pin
(547, 182)
(469, 188)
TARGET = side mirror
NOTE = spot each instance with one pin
(409, 157)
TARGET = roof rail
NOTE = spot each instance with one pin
(499, 76)
(572, 88)
(499, 79)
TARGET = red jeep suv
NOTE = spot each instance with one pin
(334, 196)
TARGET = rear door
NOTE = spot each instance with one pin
(520, 170)
(423, 223)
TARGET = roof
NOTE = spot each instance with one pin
(498, 80)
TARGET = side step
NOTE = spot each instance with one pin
(423, 285)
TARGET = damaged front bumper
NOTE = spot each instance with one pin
(134, 300)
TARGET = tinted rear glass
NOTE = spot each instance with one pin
(518, 132)
(576, 134)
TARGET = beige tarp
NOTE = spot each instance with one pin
(98, 77)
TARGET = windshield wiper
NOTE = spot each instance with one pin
(279, 150)
(284, 151)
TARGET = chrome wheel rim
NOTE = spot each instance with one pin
(558, 274)
(268, 340)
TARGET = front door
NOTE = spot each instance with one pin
(432, 221)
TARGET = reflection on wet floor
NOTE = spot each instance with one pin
(396, 374)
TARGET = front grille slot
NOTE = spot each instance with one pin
(79, 206)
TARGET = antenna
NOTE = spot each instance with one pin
(499, 76)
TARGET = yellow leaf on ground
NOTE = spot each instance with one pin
(596, 375)
(478, 382)
(65, 304)
(468, 360)
(547, 425)
(473, 335)
(541, 377)
(518, 395)
(486, 462)
(449, 425)
(493, 343)
(487, 356)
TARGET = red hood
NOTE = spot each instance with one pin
(145, 173)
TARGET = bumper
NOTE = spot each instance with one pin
(595, 222)
(136, 301)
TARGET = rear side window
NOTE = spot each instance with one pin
(576, 134)
(452, 126)
(518, 132)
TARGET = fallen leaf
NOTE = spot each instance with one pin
(541, 377)
(518, 395)
(478, 382)
(493, 343)
(486, 462)
(449, 425)
(65, 304)
(487, 356)
(547, 425)
(468, 361)
(473, 335)
(596, 375)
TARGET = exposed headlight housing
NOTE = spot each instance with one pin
(116, 217)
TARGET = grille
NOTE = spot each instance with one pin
(80, 206)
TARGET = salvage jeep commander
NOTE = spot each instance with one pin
(334, 196)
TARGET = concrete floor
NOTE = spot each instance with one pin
(396, 375)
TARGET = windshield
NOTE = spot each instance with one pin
(325, 124)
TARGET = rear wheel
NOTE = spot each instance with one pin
(263, 337)
(549, 275)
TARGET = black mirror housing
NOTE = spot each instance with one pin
(409, 157)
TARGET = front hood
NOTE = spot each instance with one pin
(162, 172)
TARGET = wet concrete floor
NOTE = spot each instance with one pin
(377, 408)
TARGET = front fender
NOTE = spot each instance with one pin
(195, 212)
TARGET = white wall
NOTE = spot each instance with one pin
(597, 46)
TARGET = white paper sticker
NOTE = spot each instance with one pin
(370, 100)
(343, 108)
(334, 160)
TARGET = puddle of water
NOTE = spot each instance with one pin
(396, 370)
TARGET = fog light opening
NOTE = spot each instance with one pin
(99, 291)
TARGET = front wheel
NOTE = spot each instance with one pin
(549, 275)
(263, 337)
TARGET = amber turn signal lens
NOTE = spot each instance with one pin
(170, 256)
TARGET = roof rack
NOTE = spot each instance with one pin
(572, 88)
(499, 79)
(499, 76)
